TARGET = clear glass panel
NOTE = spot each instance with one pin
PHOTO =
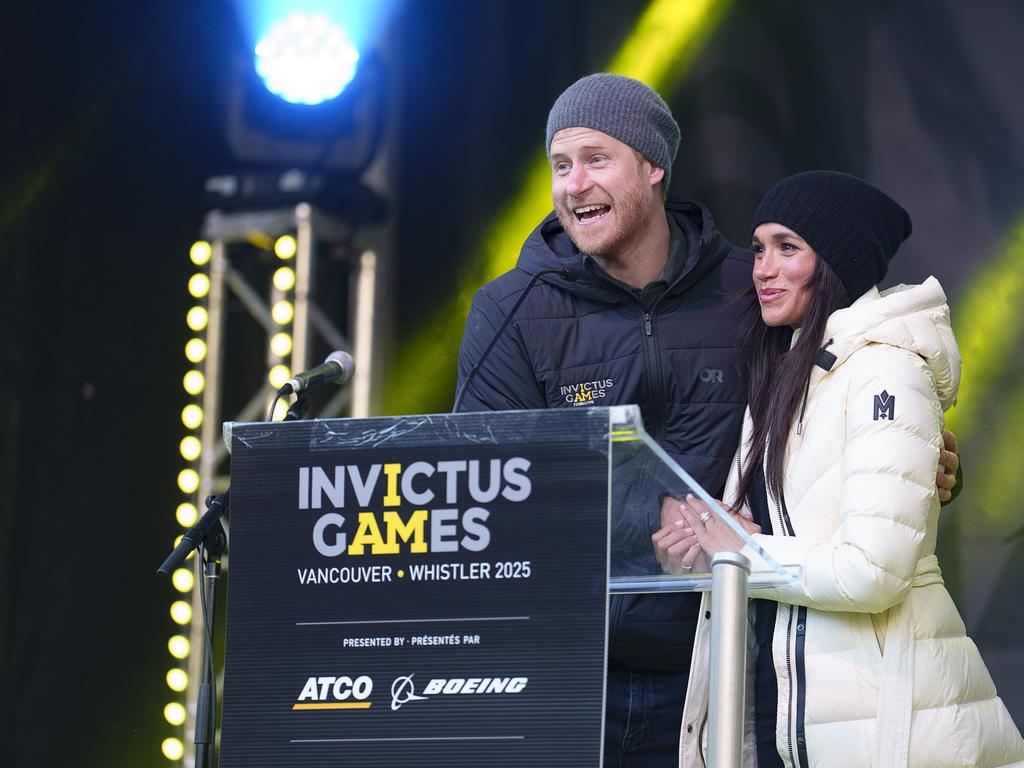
(643, 474)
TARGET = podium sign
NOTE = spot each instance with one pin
(425, 590)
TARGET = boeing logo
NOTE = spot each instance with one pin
(403, 690)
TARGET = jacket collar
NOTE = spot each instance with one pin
(548, 246)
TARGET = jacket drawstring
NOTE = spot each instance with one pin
(825, 361)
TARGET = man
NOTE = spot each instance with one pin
(652, 316)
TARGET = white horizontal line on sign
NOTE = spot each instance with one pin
(412, 621)
(416, 738)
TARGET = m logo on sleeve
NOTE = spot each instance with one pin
(885, 406)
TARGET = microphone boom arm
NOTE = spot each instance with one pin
(565, 272)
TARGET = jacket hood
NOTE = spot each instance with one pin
(549, 247)
(911, 317)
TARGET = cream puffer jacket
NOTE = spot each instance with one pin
(873, 664)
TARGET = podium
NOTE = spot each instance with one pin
(432, 590)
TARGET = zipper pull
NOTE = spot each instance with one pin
(647, 322)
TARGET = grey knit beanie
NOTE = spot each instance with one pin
(625, 109)
(855, 227)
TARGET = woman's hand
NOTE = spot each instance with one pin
(675, 544)
(712, 535)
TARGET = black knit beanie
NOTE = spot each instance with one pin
(853, 226)
(625, 109)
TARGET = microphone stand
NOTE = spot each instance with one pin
(566, 273)
(298, 410)
(213, 547)
(209, 536)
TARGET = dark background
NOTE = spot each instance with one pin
(114, 115)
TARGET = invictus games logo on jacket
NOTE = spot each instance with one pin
(586, 392)
(885, 406)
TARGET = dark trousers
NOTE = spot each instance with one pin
(643, 713)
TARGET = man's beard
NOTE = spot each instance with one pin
(630, 212)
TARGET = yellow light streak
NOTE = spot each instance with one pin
(659, 50)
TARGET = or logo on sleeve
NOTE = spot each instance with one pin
(885, 406)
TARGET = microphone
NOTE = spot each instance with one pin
(566, 273)
(216, 506)
(338, 368)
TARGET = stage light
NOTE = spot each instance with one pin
(305, 59)
(181, 612)
(188, 480)
(192, 416)
(284, 279)
(200, 252)
(174, 713)
(183, 580)
(193, 382)
(195, 350)
(278, 376)
(285, 247)
(177, 679)
(172, 748)
(280, 344)
(197, 318)
(190, 447)
(186, 514)
(198, 285)
(179, 646)
(282, 312)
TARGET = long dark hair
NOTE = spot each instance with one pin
(779, 375)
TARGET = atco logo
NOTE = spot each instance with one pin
(586, 392)
(403, 690)
(330, 692)
(885, 406)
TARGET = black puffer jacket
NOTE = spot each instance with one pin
(591, 341)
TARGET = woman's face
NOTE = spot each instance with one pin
(783, 264)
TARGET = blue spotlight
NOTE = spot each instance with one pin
(305, 59)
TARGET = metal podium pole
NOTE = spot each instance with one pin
(730, 572)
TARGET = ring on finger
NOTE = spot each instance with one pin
(705, 516)
(685, 567)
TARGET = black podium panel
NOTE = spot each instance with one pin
(425, 590)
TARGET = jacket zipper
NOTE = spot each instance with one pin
(792, 683)
(656, 394)
(700, 737)
(786, 529)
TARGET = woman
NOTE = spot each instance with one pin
(865, 662)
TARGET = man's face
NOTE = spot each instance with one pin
(603, 190)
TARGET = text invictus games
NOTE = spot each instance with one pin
(445, 498)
